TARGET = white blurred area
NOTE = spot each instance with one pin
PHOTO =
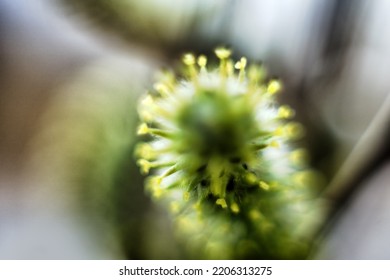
(333, 56)
(58, 86)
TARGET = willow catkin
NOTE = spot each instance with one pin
(221, 161)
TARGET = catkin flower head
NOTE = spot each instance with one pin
(220, 156)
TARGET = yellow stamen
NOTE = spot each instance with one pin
(157, 192)
(202, 61)
(221, 202)
(299, 156)
(161, 89)
(223, 53)
(240, 65)
(226, 67)
(250, 178)
(234, 207)
(294, 130)
(274, 86)
(145, 115)
(147, 101)
(143, 129)
(285, 112)
(145, 165)
(145, 151)
(189, 59)
(264, 185)
(279, 131)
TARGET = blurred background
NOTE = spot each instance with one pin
(70, 76)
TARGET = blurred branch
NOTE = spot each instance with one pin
(365, 153)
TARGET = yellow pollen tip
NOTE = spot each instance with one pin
(221, 202)
(274, 86)
(202, 61)
(279, 131)
(285, 112)
(161, 88)
(303, 177)
(145, 115)
(189, 59)
(250, 178)
(298, 156)
(157, 192)
(143, 129)
(145, 151)
(154, 182)
(241, 64)
(234, 207)
(159, 180)
(294, 130)
(223, 53)
(229, 67)
(264, 185)
(147, 101)
(145, 166)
